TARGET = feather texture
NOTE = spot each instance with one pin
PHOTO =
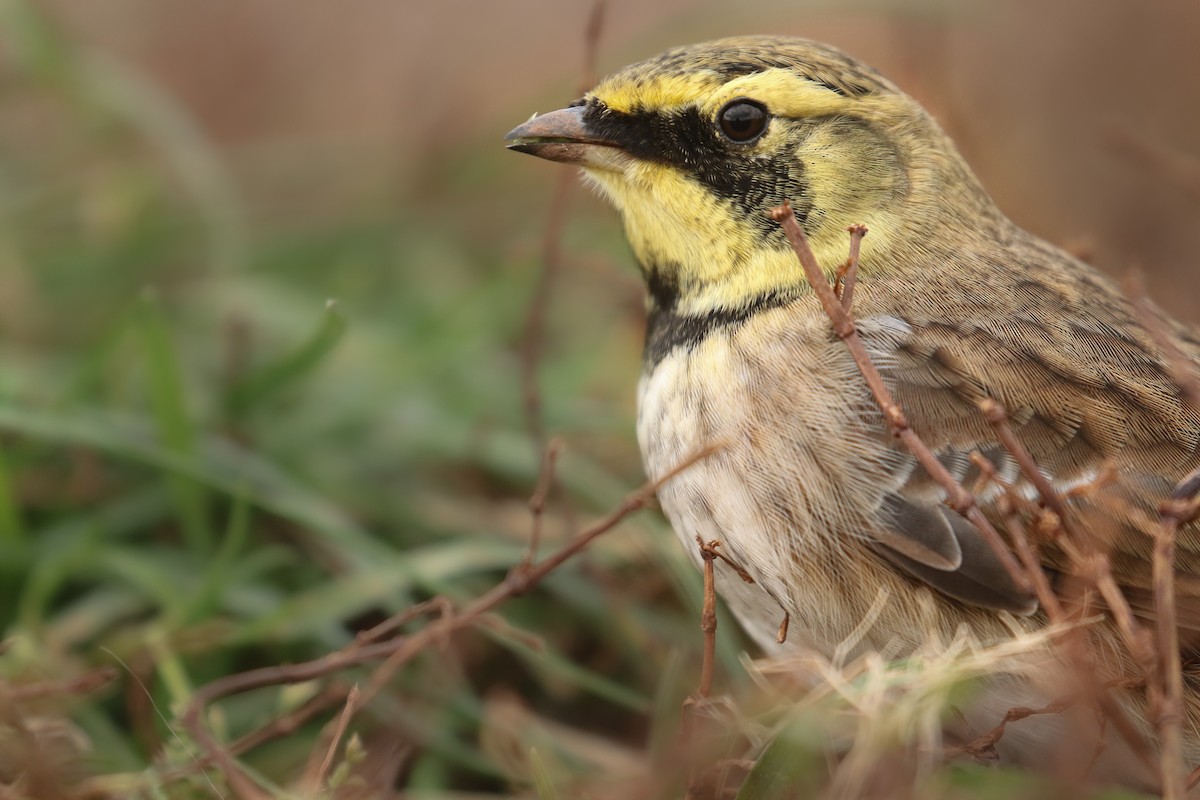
(809, 492)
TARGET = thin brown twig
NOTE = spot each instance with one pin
(1027, 552)
(710, 553)
(537, 501)
(395, 652)
(441, 605)
(842, 320)
(519, 580)
(533, 336)
(984, 746)
(738, 569)
(317, 782)
(708, 624)
(782, 634)
(847, 274)
(591, 43)
(276, 675)
(1179, 510)
(1173, 513)
(1169, 720)
(708, 616)
(957, 497)
(282, 725)
(1075, 640)
(81, 684)
(1096, 566)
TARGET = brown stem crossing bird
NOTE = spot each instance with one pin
(839, 526)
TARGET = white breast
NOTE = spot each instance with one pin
(802, 465)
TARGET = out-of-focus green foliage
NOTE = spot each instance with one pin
(228, 444)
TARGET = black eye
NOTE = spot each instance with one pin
(742, 120)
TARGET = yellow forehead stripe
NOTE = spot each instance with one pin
(784, 92)
(626, 93)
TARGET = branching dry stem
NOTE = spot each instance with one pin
(708, 616)
(840, 315)
(1028, 574)
(537, 502)
(317, 778)
(534, 335)
(83, 684)
(397, 651)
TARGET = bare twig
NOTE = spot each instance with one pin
(591, 43)
(708, 617)
(741, 572)
(708, 624)
(985, 746)
(441, 605)
(847, 274)
(1028, 553)
(840, 316)
(520, 579)
(1170, 677)
(1155, 663)
(277, 675)
(957, 497)
(82, 684)
(1180, 509)
(1075, 640)
(537, 502)
(280, 726)
(317, 781)
(710, 552)
(534, 335)
(1094, 564)
(399, 650)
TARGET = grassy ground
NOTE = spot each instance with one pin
(233, 437)
(230, 443)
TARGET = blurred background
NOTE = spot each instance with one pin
(265, 270)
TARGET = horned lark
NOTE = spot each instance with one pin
(839, 527)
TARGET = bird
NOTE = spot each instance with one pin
(844, 534)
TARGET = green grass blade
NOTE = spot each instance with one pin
(173, 422)
(791, 766)
(262, 384)
(542, 780)
(13, 536)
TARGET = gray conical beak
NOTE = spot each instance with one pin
(558, 136)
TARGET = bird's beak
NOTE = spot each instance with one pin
(558, 136)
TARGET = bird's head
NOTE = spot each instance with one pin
(695, 145)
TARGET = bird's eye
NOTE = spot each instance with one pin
(742, 120)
